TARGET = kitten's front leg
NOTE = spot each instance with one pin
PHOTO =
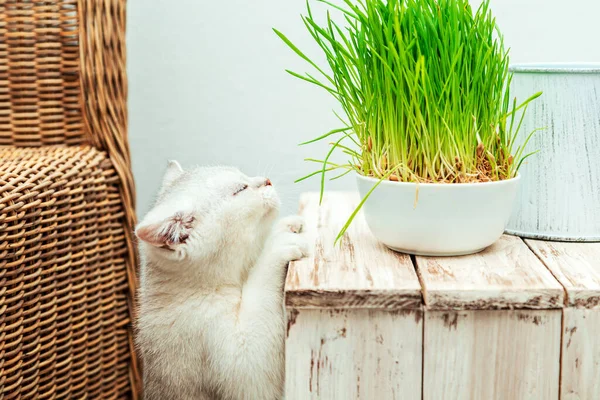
(257, 359)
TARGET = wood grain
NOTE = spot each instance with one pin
(507, 275)
(577, 268)
(580, 369)
(354, 354)
(491, 355)
(357, 273)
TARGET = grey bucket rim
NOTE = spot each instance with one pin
(556, 68)
(553, 238)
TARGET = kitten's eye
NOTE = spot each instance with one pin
(241, 189)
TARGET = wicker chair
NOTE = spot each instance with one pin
(67, 263)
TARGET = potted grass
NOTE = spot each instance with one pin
(428, 124)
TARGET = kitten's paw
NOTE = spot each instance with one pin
(290, 243)
(296, 249)
(291, 246)
(293, 223)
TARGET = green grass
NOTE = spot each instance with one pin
(424, 87)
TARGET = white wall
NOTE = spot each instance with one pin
(207, 82)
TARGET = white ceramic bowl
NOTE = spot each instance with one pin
(438, 219)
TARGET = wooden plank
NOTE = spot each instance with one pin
(506, 354)
(354, 354)
(577, 268)
(580, 369)
(360, 272)
(507, 275)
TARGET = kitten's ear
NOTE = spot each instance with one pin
(168, 233)
(173, 171)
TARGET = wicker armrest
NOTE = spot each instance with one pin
(64, 320)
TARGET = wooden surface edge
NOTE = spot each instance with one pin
(354, 299)
(358, 272)
(545, 299)
(506, 276)
(563, 266)
(584, 299)
(556, 287)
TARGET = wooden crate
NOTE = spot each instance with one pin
(520, 320)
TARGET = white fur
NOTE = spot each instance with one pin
(213, 265)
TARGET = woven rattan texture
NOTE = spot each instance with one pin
(40, 92)
(63, 276)
(67, 260)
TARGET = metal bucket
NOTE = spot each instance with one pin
(559, 195)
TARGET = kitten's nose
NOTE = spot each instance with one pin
(268, 182)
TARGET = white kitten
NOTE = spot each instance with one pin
(211, 298)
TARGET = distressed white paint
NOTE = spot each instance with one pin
(577, 268)
(580, 370)
(360, 272)
(491, 355)
(559, 196)
(490, 350)
(355, 327)
(354, 354)
(506, 275)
